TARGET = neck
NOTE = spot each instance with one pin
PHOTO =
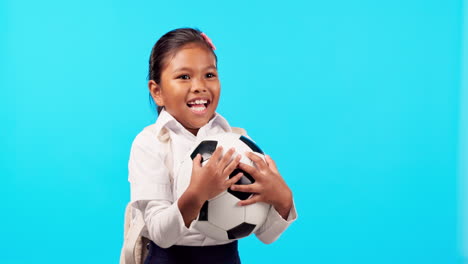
(194, 131)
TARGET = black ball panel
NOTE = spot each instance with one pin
(246, 179)
(203, 212)
(205, 148)
(240, 231)
(254, 147)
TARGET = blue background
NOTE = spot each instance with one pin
(359, 103)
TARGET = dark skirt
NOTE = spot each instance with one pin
(223, 254)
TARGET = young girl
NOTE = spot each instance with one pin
(184, 83)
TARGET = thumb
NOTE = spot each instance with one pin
(197, 161)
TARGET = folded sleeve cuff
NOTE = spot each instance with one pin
(292, 216)
(180, 219)
(275, 225)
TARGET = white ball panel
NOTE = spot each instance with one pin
(224, 211)
(242, 149)
(211, 230)
(256, 213)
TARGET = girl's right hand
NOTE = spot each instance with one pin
(213, 178)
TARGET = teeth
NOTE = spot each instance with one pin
(198, 108)
(198, 102)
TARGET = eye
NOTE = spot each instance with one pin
(183, 77)
(210, 75)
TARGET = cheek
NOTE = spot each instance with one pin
(174, 91)
(216, 89)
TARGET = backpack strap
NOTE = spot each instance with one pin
(239, 131)
(133, 227)
(134, 249)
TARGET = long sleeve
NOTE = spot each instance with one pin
(147, 173)
(275, 225)
(151, 190)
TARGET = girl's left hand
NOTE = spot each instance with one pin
(269, 186)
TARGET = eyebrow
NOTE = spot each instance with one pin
(188, 69)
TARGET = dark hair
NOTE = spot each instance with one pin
(167, 46)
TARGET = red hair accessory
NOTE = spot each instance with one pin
(208, 40)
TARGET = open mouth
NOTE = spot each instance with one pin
(198, 106)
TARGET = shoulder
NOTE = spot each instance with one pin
(147, 136)
(221, 122)
(147, 140)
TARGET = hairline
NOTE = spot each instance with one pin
(171, 54)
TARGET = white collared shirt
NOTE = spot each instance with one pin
(151, 167)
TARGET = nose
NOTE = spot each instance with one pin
(198, 85)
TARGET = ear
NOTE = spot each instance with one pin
(155, 90)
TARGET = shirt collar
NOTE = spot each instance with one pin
(166, 122)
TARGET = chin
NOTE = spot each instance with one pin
(198, 125)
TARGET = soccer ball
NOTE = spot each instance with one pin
(221, 218)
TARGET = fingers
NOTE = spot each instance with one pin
(232, 165)
(234, 179)
(217, 154)
(254, 199)
(252, 188)
(247, 168)
(226, 158)
(259, 162)
(271, 163)
(197, 161)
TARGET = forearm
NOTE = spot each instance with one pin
(284, 208)
(275, 225)
(284, 204)
(189, 205)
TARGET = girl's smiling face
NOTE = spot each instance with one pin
(189, 88)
